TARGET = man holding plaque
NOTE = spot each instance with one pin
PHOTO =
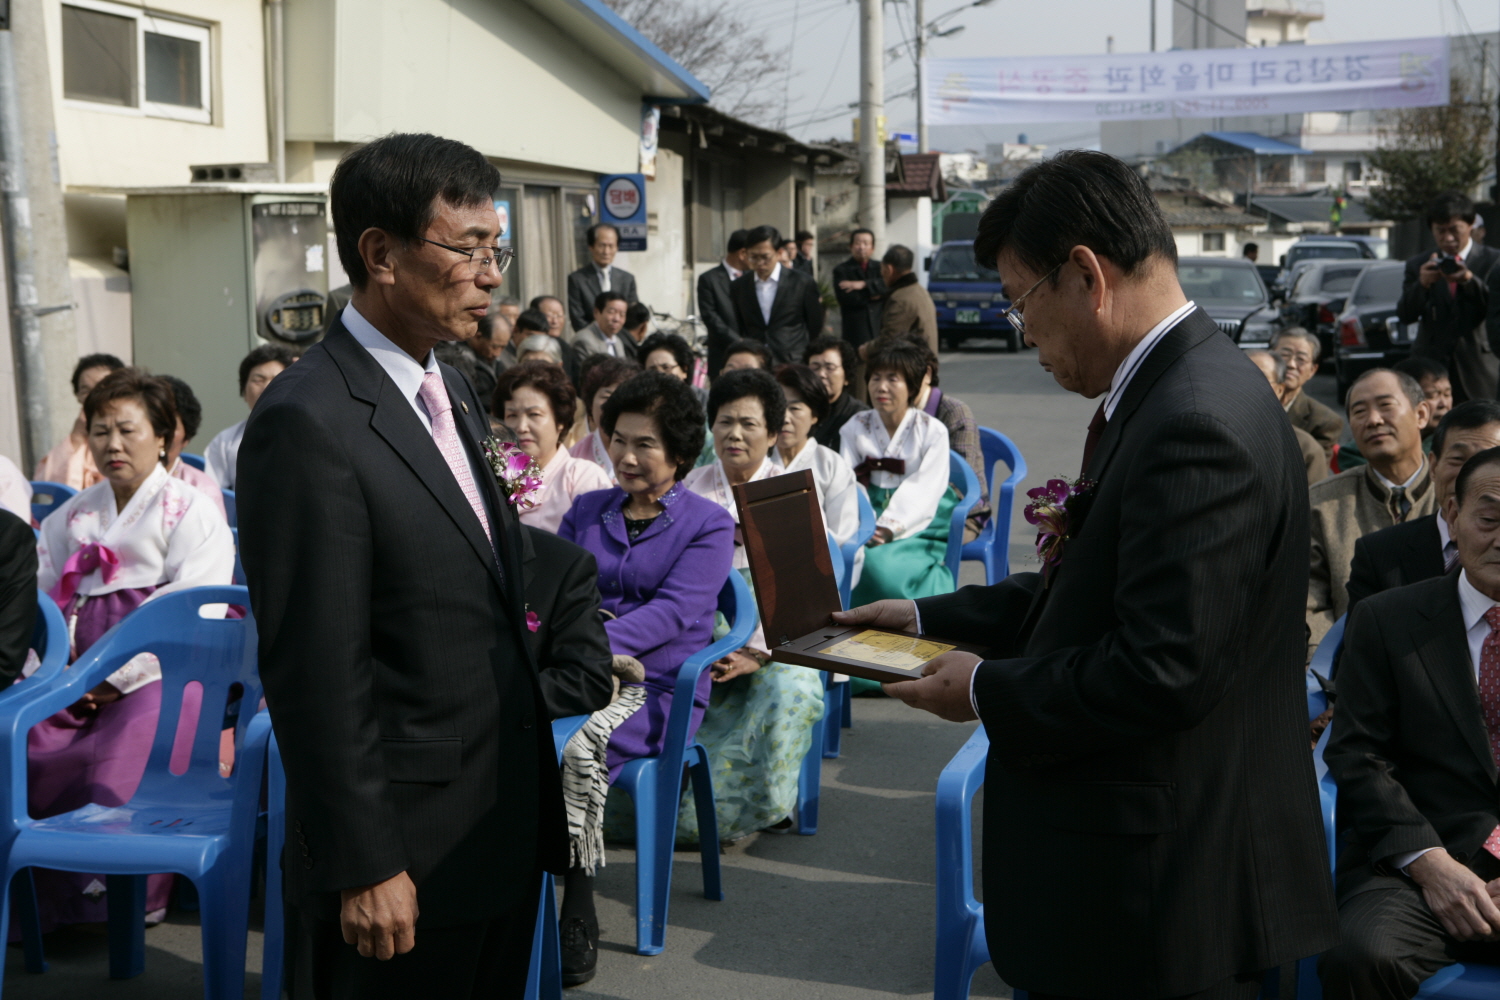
(1151, 819)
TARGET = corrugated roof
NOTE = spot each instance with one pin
(920, 176)
(1310, 209)
(1259, 144)
(1210, 217)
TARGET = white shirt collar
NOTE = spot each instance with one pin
(773, 279)
(1409, 482)
(397, 364)
(734, 272)
(1464, 253)
(1133, 360)
(1471, 601)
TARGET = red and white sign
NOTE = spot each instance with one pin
(622, 198)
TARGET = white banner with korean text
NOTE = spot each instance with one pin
(1189, 83)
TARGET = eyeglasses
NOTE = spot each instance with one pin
(1012, 312)
(760, 258)
(480, 258)
(665, 368)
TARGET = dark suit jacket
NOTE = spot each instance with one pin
(1393, 557)
(859, 310)
(796, 314)
(17, 595)
(583, 288)
(1146, 710)
(393, 647)
(1409, 747)
(716, 309)
(570, 644)
(1453, 330)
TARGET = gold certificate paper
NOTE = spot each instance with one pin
(885, 649)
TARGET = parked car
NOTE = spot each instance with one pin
(1232, 294)
(967, 296)
(1369, 334)
(1268, 273)
(1319, 248)
(1317, 297)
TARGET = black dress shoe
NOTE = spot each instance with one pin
(580, 950)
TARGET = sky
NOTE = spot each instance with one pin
(823, 36)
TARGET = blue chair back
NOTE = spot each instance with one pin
(1323, 659)
(961, 945)
(960, 475)
(239, 567)
(215, 653)
(49, 637)
(230, 510)
(852, 546)
(839, 569)
(47, 497)
(992, 547)
(196, 461)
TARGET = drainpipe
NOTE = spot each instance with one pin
(276, 85)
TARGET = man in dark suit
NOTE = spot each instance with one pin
(423, 798)
(776, 305)
(1413, 750)
(17, 595)
(860, 289)
(715, 306)
(1144, 698)
(1424, 548)
(598, 275)
(1446, 292)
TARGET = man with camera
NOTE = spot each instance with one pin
(1447, 292)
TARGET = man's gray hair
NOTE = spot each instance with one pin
(1410, 387)
(1279, 366)
(1296, 331)
(546, 344)
(504, 300)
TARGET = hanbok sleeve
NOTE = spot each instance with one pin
(915, 502)
(840, 495)
(200, 549)
(848, 435)
(52, 548)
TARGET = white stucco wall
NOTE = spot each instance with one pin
(660, 275)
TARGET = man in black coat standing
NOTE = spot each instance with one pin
(776, 305)
(423, 797)
(715, 306)
(860, 289)
(1446, 292)
(1149, 773)
(598, 275)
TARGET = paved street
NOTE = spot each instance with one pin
(844, 915)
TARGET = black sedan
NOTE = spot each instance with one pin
(1369, 334)
(1232, 294)
(1318, 296)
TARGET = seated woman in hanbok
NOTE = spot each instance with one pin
(535, 400)
(136, 535)
(70, 461)
(663, 554)
(759, 722)
(900, 455)
(806, 406)
(603, 377)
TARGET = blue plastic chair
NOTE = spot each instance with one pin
(961, 947)
(273, 946)
(230, 509)
(544, 978)
(239, 568)
(810, 778)
(197, 823)
(960, 475)
(47, 497)
(655, 784)
(992, 547)
(853, 545)
(836, 695)
(196, 461)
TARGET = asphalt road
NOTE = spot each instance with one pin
(844, 915)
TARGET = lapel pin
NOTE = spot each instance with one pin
(464, 405)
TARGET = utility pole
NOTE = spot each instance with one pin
(871, 111)
(1153, 24)
(20, 259)
(920, 6)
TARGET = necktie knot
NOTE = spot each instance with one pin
(434, 395)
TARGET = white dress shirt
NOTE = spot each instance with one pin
(765, 292)
(603, 273)
(222, 454)
(734, 272)
(1473, 605)
(1410, 482)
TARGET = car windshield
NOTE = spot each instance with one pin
(1313, 251)
(1340, 279)
(1379, 285)
(1220, 285)
(957, 264)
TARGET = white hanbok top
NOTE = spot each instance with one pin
(563, 479)
(838, 493)
(710, 481)
(922, 442)
(15, 490)
(222, 454)
(591, 448)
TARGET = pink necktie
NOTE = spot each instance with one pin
(445, 435)
(1489, 700)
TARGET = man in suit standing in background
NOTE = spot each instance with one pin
(1144, 699)
(715, 306)
(1413, 750)
(423, 797)
(908, 307)
(598, 275)
(1446, 292)
(1423, 547)
(776, 305)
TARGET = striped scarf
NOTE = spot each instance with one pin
(585, 778)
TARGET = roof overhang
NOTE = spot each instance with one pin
(1254, 142)
(603, 33)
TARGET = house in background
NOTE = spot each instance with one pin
(1205, 226)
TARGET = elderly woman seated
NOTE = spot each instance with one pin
(759, 722)
(806, 406)
(600, 379)
(138, 534)
(663, 554)
(535, 400)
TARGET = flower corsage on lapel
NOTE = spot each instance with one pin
(1057, 510)
(516, 473)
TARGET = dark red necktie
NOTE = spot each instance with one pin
(1096, 431)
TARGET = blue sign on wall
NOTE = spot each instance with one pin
(622, 204)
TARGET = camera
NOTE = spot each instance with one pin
(1449, 264)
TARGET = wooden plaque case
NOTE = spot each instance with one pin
(787, 546)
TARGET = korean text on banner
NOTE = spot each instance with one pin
(1189, 83)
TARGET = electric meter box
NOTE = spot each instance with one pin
(218, 270)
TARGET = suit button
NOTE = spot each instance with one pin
(307, 864)
(298, 825)
(527, 722)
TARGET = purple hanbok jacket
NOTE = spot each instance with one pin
(663, 589)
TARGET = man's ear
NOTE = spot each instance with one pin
(1094, 278)
(1450, 510)
(377, 249)
(1424, 413)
